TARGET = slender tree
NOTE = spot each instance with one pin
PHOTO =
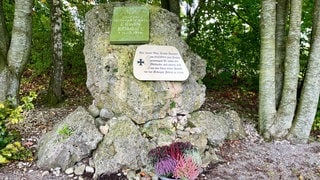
(56, 80)
(311, 86)
(4, 42)
(279, 70)
(267, 109)
(14, 52)
(172, 6)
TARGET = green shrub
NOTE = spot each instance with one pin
(65, 131)
(316, 123)
(10, 145)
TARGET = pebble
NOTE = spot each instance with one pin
(45, 173)
(91, 162)
(105, 113)
(104, 129)
(79, 170)
(89, 169)
(69, 171)
(56, 171)
(93, 110)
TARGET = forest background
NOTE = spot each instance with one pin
(227, 34)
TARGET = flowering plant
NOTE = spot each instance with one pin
(179, 160)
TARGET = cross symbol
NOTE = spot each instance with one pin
(140, 62)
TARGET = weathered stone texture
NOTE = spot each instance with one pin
(110, 77)
(57, 149)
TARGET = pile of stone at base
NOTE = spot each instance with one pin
(129, 117)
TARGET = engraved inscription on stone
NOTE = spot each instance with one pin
(159, 63)
(130, 25)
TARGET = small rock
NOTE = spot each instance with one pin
(79, 170)
(182, 133)
(89, 169)
(91, 162)
(180, 126)
(93, 110)
(69, 171)
(195, 130)
(104, 129)
(45, 173)
(131, 174)
(20, 165)
(56, 171)
(105, 113)
(99, 122)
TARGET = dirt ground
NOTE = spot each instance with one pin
(249, 158)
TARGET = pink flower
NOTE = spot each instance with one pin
(186, 169)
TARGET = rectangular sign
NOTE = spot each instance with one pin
(159, 63)
(130, 25)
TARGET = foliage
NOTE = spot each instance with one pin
(14, 151)
(172, 104)
(226, 34)
(178, 160)
(8, 8)
(10, 147)
(41, 39)
(307, 15)
(73, 39)
(316, 122)
(65, 131)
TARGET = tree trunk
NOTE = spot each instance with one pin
(282, 14)
(288, 102)
(267, 102)
(56, 80)
(4, 42)
(4, 46)
(172, 6)
(19, 50)
(287, 120)
(307, 108)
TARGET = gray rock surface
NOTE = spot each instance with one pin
(235, 124)
(218, 127)
(110, 71)
(122, 147)
(69, 142)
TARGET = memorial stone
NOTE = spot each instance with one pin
(130, 25)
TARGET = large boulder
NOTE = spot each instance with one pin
(218, 127)
(110, 77)
(135, 116)
(122, 147)
(69, 141)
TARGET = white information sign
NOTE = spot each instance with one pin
(159, 63)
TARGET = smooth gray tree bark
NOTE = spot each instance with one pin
(281, 21)
(309, 99)
(284, 119)
(288, 102)
(267, 104)
(14, 60)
